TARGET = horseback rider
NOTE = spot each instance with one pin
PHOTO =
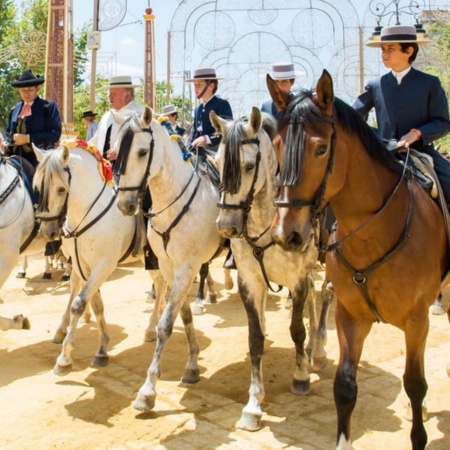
(410, 106)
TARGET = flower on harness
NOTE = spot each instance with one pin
(164, 121)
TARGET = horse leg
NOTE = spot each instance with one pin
(351, 336)
(311, 302)
(319, 354)
(198, 308)
(47, 275)
(254, 298)
(18, 322)
(191, 371)
(160, 291)
(101, 357)
(414, 377)
(145, 399)
(301, 379)
(68, 267)
(229, 283)
(211, 295)
(23, 268)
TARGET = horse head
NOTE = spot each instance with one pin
(305, 148)
(242, 161)
(135, 155)
(52, 182)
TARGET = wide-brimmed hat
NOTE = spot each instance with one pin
(168, 109)
(88, 114)
(27, 79)
(284, 71)
(204, 74)
(121, 81)
(397, 34)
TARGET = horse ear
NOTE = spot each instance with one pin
(65, 154)
(217, 122)
(280, 98)
(147, 117)
(38, 152)
(324, 93)
(255, 119)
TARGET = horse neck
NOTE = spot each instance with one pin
(366, 187)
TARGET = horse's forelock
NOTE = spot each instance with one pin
(231, 175)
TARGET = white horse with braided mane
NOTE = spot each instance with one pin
(248, 169)
(76, 188)
(182, 229)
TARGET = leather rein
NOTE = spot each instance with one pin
(359, 276)
(245, 206)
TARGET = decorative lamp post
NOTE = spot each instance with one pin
(149, 69)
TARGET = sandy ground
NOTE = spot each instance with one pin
(91, 408)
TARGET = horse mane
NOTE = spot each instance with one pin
(127, 130)
(50, 167)
(302, 110)
(235, 134)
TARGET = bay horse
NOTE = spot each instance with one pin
(181, 229)
(388, 257)
(79, 202)
(18, 227)
(248, 169)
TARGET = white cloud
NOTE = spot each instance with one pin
(128, 42)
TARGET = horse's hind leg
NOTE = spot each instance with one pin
(191, 371)
(101, 357)
(319, 353)
(254, 296)
(211, 295)
(414, 377)
(301, 379)
(229, 283)
(198, 308)
(47, 275)
(351, 336)
(160, 291)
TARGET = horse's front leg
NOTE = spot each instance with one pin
(253, 293)
(319, 353)
(351, 336)
(211, 295)
(145, 400)
(191, 371)
(301, 380)
(416, 387)
(198, 308)
(23, 268)
(160, 292)
(101, 357)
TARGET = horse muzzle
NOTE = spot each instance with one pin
(289, 234)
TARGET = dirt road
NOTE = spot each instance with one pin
(92, 408)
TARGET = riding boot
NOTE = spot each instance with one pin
(229, 261)
(150, 259)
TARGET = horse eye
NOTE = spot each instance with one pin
(142, 152)
(61, 191)
(321, 150)
(249, 167)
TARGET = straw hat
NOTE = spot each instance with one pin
(27, 79)
(204, 74)
(284, 71)
(398, 34)
(121, 81)
(168, 109)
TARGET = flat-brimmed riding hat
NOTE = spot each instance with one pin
(204, 74)
(284, 71)
(88, 114)
(168, 109)
(121, 81)
(398, 34)
(27, 79)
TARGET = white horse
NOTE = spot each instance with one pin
(75, 187)
(182, 229)
(248, 168)
(16, 323)
(18, 229)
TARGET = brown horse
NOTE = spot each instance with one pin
(389, 255)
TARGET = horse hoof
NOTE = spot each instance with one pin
(100, 361)
(299, 387)
(144, 403)
(20, 275)
(150, 336)
(198, 310)
(249, 422)
(191, 376)
(318, 364)
(47, 276)
(26, 324)
(65, 277)
(61, 371)
(59, 337)
(85, 318)
(288, 304)
(437, 309)
(211, 299)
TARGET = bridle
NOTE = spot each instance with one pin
(245, 206)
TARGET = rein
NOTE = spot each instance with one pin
(258, 251)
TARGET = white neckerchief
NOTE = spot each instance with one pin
(399, 75)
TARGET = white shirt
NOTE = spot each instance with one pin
(399, 75)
